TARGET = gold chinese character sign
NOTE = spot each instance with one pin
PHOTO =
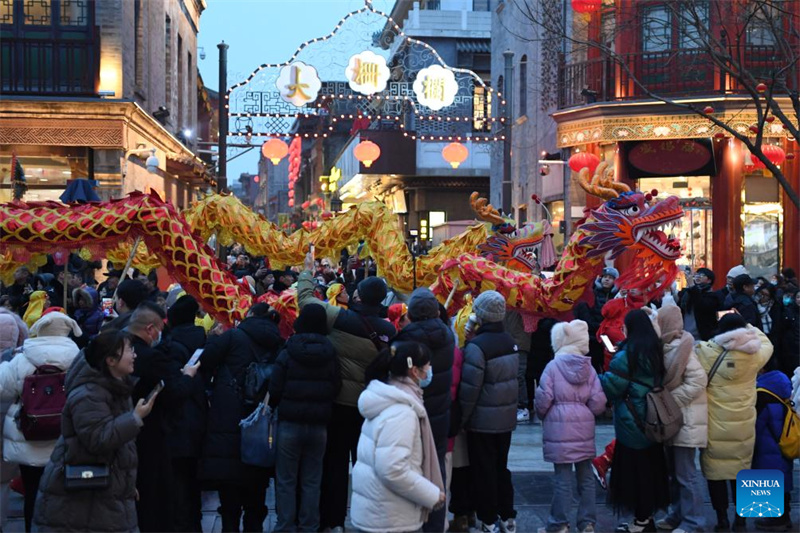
(298, 83)
(435, 87)
(367, 73)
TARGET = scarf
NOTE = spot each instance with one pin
(676, 357)
(430, 462)
(766, 319)
(333, 292)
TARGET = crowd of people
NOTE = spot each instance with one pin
(382, 396)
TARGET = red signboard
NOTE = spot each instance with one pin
(672, 157)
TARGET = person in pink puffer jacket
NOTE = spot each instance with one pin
(568, 398)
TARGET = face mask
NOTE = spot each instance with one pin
(157, 341)
(787, 300)
(427, 379)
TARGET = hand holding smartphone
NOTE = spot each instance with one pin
(159, 386)
(195, 357)
(608, 344)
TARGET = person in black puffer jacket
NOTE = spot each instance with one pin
(427, 328)
(305, 381)
(186, 437)
(488, 398)
(226, 358)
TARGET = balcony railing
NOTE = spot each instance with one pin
(50, 66)
(668, 73)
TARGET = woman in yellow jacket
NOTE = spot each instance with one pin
(742, 351)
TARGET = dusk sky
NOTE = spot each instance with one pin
(263, 31)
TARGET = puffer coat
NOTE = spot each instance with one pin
(689, 393)
(349, 331)
(618, 387)
(437, 336)
(226, 357)
(389, 490)
(769, 426)
(568, 398)
(488, 390)
(732, 400)
(99, 427)
(38, 351)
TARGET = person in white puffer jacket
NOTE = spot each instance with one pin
(49, 345)
(396, 480)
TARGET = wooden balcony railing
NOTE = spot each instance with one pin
(61, 67)
(668, 73)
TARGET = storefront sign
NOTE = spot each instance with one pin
(298, 83)
(435, 87)
(675, 157)
(367, 73)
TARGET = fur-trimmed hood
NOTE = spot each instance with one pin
(743, 339)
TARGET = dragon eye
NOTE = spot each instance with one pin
(632, 210)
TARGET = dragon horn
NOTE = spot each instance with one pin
(484, 209)
(594, 186)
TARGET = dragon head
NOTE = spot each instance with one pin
(521, 249)
(628, 220)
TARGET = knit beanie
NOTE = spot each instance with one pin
(372, 290)
(738, 270)
(183, 311)
(312, 319)
(422, 305)
(55, 325)
(570, 338)
(670, 321)
(611, 271)
(490, 306)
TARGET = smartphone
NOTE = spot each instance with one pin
(195, 356)
(108, 306)
(721, 314)
(156, 390)
(311, 250)
(608, 344)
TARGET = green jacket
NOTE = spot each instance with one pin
(349, 334)
(618, 389)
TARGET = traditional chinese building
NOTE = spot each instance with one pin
(736, 213)
(101, 90)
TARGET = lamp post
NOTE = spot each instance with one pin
(222, 151)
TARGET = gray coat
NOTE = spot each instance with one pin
(488, 390)
(98, 427)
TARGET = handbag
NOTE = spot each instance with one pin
(86, 477)
(259, 432)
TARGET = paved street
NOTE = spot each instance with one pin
(532, 485)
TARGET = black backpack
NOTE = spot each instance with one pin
(257, 375)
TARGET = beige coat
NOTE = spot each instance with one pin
(732, 400)
(690, 395)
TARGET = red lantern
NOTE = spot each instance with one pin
(774, 153)
(291, 193)
(790, 156)
(761, 87)
(770, 119)
(586, 6)
(755, 129)
(274, 150)
(367, 152)
(719, 135)
(455, 154)
(584, 160)
(291, 202)
(708, 110)
(305, 204)
(326, 215)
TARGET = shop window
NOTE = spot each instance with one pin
(694, 21)
(763, 219)
(557, 213)
(481, 108)
(695, 228)
(45, 174)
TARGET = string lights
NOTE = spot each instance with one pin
(377, 97)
